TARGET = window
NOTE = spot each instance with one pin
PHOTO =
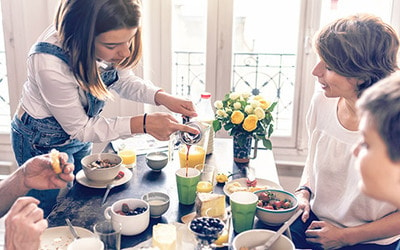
(258, 46)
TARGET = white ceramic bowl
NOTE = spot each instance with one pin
(159, 203)
(276, 217)
(101, 174)
(131, 224)
(256, 237)
(157, 160)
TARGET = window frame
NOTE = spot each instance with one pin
(219, 58)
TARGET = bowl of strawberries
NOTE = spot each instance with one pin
(274, 207)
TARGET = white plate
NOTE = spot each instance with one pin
(58, 238)
(81, 178)
(260, 182)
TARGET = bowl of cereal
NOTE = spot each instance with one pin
(274, 207)
(102, 167)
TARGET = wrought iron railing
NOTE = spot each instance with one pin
(269, 74)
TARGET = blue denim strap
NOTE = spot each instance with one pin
(95, 106)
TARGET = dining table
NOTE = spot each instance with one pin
(82, 205)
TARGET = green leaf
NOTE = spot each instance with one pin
(271, 108)
(228, 126)
(267, 143)
(216, 125)
(270, 129)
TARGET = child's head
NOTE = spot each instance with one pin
(379, 152)
(79, 23)
(359, 46)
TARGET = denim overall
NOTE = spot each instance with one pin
(31, 137)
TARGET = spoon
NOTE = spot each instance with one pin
(72, 229)
(111, 185)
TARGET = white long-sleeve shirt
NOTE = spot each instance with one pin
(52, 90)
(332, 174)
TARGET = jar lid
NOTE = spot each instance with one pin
(205, 95)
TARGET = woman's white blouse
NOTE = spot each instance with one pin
(52, 90)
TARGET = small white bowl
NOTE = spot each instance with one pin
(159, 203)
(157, 160)
(256, 237)
(101, 174)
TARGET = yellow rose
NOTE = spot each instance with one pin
(264, 104)
(246, 95)
(254, 103)
(248, 109)
(237, 105)
(234, 95)
(222, 113)
(259, 112)
(218, 104)
(237, 117)
(250, 123)
(258, 97)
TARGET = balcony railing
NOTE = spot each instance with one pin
(268, 74)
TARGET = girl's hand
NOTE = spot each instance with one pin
(162, 125)
(176, 104)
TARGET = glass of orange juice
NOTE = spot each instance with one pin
(128, 155)
(207, 176)
(197, 155)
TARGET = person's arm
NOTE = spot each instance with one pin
(35, 173)
(10, 189)
(333, 237)
(175, 104)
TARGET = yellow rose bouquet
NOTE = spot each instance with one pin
(246, 115)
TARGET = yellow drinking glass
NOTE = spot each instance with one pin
(204, 187)
(128, 156)
(197, 155)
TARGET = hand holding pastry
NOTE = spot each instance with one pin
(48, 171)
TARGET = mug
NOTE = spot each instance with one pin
(131, 224)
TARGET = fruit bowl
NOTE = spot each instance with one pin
(206, 230)
(277, 206)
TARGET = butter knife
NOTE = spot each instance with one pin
(72, 229)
